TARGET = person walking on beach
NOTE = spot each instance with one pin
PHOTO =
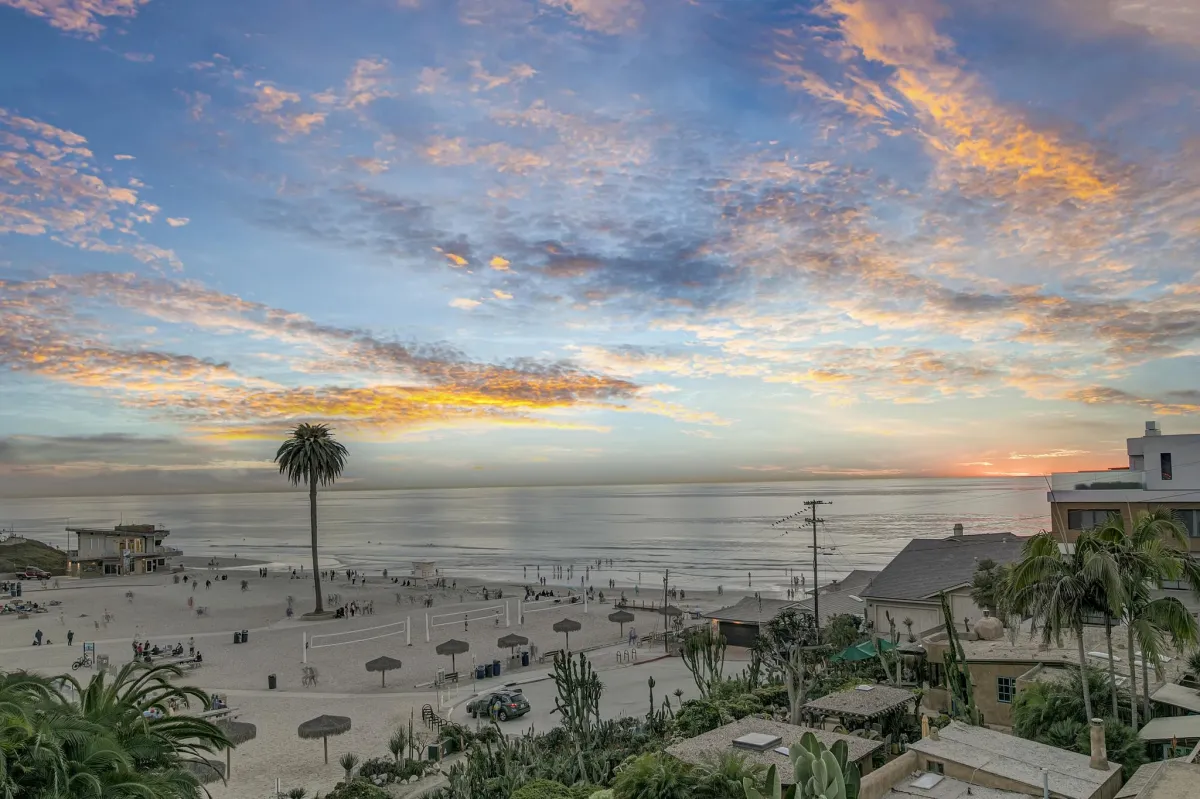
(207, 584)
(191, 647)
(38, 637)
(70, 637)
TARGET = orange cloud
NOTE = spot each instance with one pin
(603, 16)
(505, 158)
(499, 263)
(273, 106)
(77, 16)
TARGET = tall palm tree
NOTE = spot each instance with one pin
(312, 457)
(1060, 589)
(1154, 549)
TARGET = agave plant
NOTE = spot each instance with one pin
(349, 762)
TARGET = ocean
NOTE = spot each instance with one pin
(706, 535)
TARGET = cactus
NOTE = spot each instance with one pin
(821, 773)
(774, 788)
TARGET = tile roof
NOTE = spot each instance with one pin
(929, 565)
(1016, 759)
(836, 597)
(862, 704)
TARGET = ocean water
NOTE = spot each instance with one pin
(706, 535)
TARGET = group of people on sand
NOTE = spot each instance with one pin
(353, 608)
(144, 650)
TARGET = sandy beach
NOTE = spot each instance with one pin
(155, 608)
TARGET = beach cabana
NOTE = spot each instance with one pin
(621, 617)
(322, 727)
(383, 665)
(861, 705)
(238, 732)
(566, 627)
(452, 648)
(511, 641)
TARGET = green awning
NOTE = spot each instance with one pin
(863, 651)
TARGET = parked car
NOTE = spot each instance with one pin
(33, 573)
(504, 705)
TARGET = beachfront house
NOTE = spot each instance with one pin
(740, 623)
(909, 586)
(124, 549)
(1165, 779)
(1162, 472)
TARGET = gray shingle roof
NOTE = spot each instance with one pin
(929, 565)
(836, 597)
(752, 610)
(857, 703)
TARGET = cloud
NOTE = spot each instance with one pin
(501, 295)
(50, 184)
(1054, 453)
(766, 468)
(141, 58)
(464, 304)
(602, 16)
(505, 158)
(122, 157)
(499, 263)
(369, 81)
(274, 106)
(177, 221)
(78, 16)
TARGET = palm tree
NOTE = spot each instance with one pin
(312, 457)
(1061, 589)
(1154, 550)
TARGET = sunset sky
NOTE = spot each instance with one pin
(499, 242)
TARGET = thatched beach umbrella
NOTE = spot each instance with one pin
(238, 732)
(206, 770)
(670, 611)
(512, 641)
(383, 665)
(322, 727)
(452, 647)
(566, 627)
(621, 617)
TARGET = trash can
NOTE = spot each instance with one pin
(245, 636)
(102, 662)
(237, 637)
(20, 590)
(177, 579)
(479, 672)
(495, 668)
(524, 658)
(487, 670)
(435, 752)
(271, 682)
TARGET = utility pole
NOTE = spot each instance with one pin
(812, 521)
(666, 577)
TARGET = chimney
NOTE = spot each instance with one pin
(1152, 429)
(924, 726)
(1099, 759)
(958, 530)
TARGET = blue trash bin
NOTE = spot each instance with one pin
(487, 670)
(495, 668)
(237, 637)
(479, 672)
(524, 658)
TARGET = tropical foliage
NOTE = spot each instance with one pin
(818, 772)
(312, 457)
(60, 739)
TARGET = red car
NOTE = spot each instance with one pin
(33, 573)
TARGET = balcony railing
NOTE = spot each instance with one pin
(1098, 481)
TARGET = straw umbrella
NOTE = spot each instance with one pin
(566, 627)
(452, 647)
(512, 641)
(670, 611)
(621, 617)
(238, 732)
(383, 665)
(322, 727)
(206, 770)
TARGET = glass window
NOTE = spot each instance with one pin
(937, 767)
(1088, 519)
(1190, 519)
(1164, 462)
(1006, 688)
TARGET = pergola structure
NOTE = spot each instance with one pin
(858, 707)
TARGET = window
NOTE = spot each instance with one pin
(936, 766)
(1164, 463)
(1006, 688)
(935, 675)
(1088, 519)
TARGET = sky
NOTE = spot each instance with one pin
(523, 242)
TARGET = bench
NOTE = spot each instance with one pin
(450, 677)
(550, 655)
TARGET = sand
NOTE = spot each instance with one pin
(158, 611)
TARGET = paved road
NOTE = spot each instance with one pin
(625, 694)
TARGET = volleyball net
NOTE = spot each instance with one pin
(466, 618)
(361, 635)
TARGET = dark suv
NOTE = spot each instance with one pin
(504, 705)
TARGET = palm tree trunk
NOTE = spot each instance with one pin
(1133, 695)
(1145, 688)
(1112, 667)
(1083, 672)
(312, 518)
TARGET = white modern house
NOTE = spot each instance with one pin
(124, 549)
(1163, 472)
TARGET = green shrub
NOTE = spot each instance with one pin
(696, 717)
(584, 791)
(543, 789)
(605, 794)
(357, 789)
(722, 777)
(772, 695)
(654, 776)
(384, 771)
(741, 706)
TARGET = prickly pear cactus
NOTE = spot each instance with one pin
(821, 773)
(774, 789)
